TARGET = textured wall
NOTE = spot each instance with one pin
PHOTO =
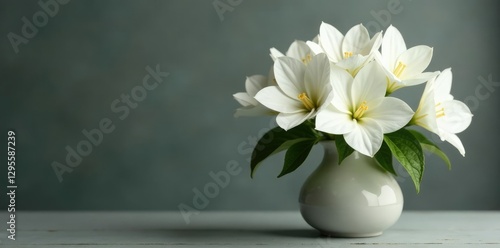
(70, 75)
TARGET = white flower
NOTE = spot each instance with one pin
(252, 107)
(439, 113)
(298, 50)
(360, 111)
(351, 52)
(301, 92)
(404, 67)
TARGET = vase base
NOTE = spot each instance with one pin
(350, 235)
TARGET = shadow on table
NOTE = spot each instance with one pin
(234, 232)
(299, 233)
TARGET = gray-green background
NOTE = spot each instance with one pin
(66, 77)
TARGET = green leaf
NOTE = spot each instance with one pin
(276, 140)
(407, 150)
(343, 149)
(430, 146)
(296, 155)
(384, 158)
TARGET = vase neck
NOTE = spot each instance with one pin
(329, 148)
(331, 154)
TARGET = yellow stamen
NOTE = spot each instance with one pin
(307, 59)
(360, 111)
(347, 55)
(306, 101)
(439, 111)
(399, 69)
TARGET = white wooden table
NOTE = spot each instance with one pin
(239, 229)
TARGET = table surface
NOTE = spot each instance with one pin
(240, 229)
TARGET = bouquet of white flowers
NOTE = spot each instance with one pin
(339, 88)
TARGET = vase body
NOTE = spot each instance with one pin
(354, 199)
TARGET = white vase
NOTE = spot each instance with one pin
(354, 199)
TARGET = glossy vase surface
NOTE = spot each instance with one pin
(354, 199)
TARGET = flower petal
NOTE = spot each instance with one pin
(392, 81)
(315, 47)
(393, 45)
(275, 53)
(299, 50)
(355, 39)
(425, 116)
(341, 82)
(442, 86)
(353, 63)
(457, 116)
(419, 79)
(454, 140)
(289, 74)
(317, 79)
(255, 83)
(416, 60)
(316, 39)
(331, 120)
(331, 41)
(271, 79)
(288, 121)
(373, 45)
(273, 98)
(369, 84)
(366, 137)
(244, 99)
(391, 114)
